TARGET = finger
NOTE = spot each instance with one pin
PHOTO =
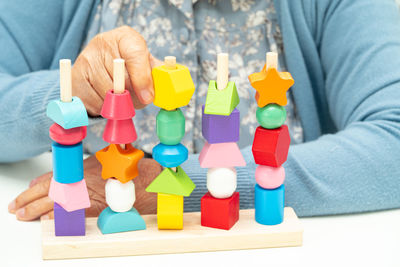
(40, 179)
(155, 62)
(81, 83)
(35, 209)
(48, 216)
(31, 194)
(133, 49)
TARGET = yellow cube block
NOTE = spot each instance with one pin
(169, 211)
(173, 88)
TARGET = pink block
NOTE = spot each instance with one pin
(70, 196)
(270, 177)
(221, 155)
(118, 106)
(119, 132)
(67, 137)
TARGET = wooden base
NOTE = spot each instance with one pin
(245, 234)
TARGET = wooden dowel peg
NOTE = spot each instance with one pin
(123, 146)
(170, 62)
(271, 60)
(119, 76)
(174, 169)
(65, 80)
(222, 70)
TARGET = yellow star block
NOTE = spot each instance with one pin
(119, 163)
(271, 86)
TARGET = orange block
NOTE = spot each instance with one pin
(271, 86)
(119, 163)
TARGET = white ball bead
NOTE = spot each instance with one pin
(120, 197)
(221, 182)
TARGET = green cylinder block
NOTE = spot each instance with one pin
(170, 126)
(271, 116)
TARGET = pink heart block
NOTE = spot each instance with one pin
(221, 155)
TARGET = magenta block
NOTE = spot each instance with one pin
(221, 129)
(118, 106)
(68, 223)
(119, 132)
(67, 137)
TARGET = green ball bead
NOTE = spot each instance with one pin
(170, 126)
(271, 116)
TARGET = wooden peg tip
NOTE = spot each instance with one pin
(271, 60)
(119, 75)
(65, 80)
(170, 62)
(222, 70)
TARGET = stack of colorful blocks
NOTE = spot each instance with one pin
(173, 88)
(120, 159)
(271, 141)
(221, 154)
(68, 187)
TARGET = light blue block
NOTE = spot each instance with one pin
(116, 222)
(269, 204)
(67, 163)
(170, 156)
(68, 114)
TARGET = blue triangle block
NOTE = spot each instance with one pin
(110, 221)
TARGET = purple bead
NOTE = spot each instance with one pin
(69, 223)
(219, 128)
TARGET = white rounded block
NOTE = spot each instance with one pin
(221, 182)
(120, 197)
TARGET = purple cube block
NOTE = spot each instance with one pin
(219, 128)
(69, 223)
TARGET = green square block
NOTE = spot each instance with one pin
(170, 126)
(221, 102)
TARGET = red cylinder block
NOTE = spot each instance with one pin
(118, 106)
(67, 137)
(271, 146)
(120, 132)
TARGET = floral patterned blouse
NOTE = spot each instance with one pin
(195, 31)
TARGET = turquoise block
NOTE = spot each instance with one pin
(68, 114)
(170, 156)
(269, 204)
(110, 221)
(67, 163)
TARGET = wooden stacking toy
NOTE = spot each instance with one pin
(120, 159)
(221, 154)
(271, 140)
(68, 187)
(173, 87)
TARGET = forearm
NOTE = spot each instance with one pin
(24, 125)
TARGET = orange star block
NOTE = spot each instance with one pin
(271, 86)
(119, 163)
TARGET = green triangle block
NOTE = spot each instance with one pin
(221, 102)
(174, 183)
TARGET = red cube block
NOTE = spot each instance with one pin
(271, 146)
(221, 213)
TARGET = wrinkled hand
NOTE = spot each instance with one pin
(34, 202)
(93, 69)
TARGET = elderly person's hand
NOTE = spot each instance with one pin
(34, 202)
(93, 69)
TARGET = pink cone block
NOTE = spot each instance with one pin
(118, 106)
(70, 197)
(119, 132)
(270, 177)
(67, 137)
(221, 155)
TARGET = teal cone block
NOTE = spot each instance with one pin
(116, 222)
(68, 114)
(269, 205)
